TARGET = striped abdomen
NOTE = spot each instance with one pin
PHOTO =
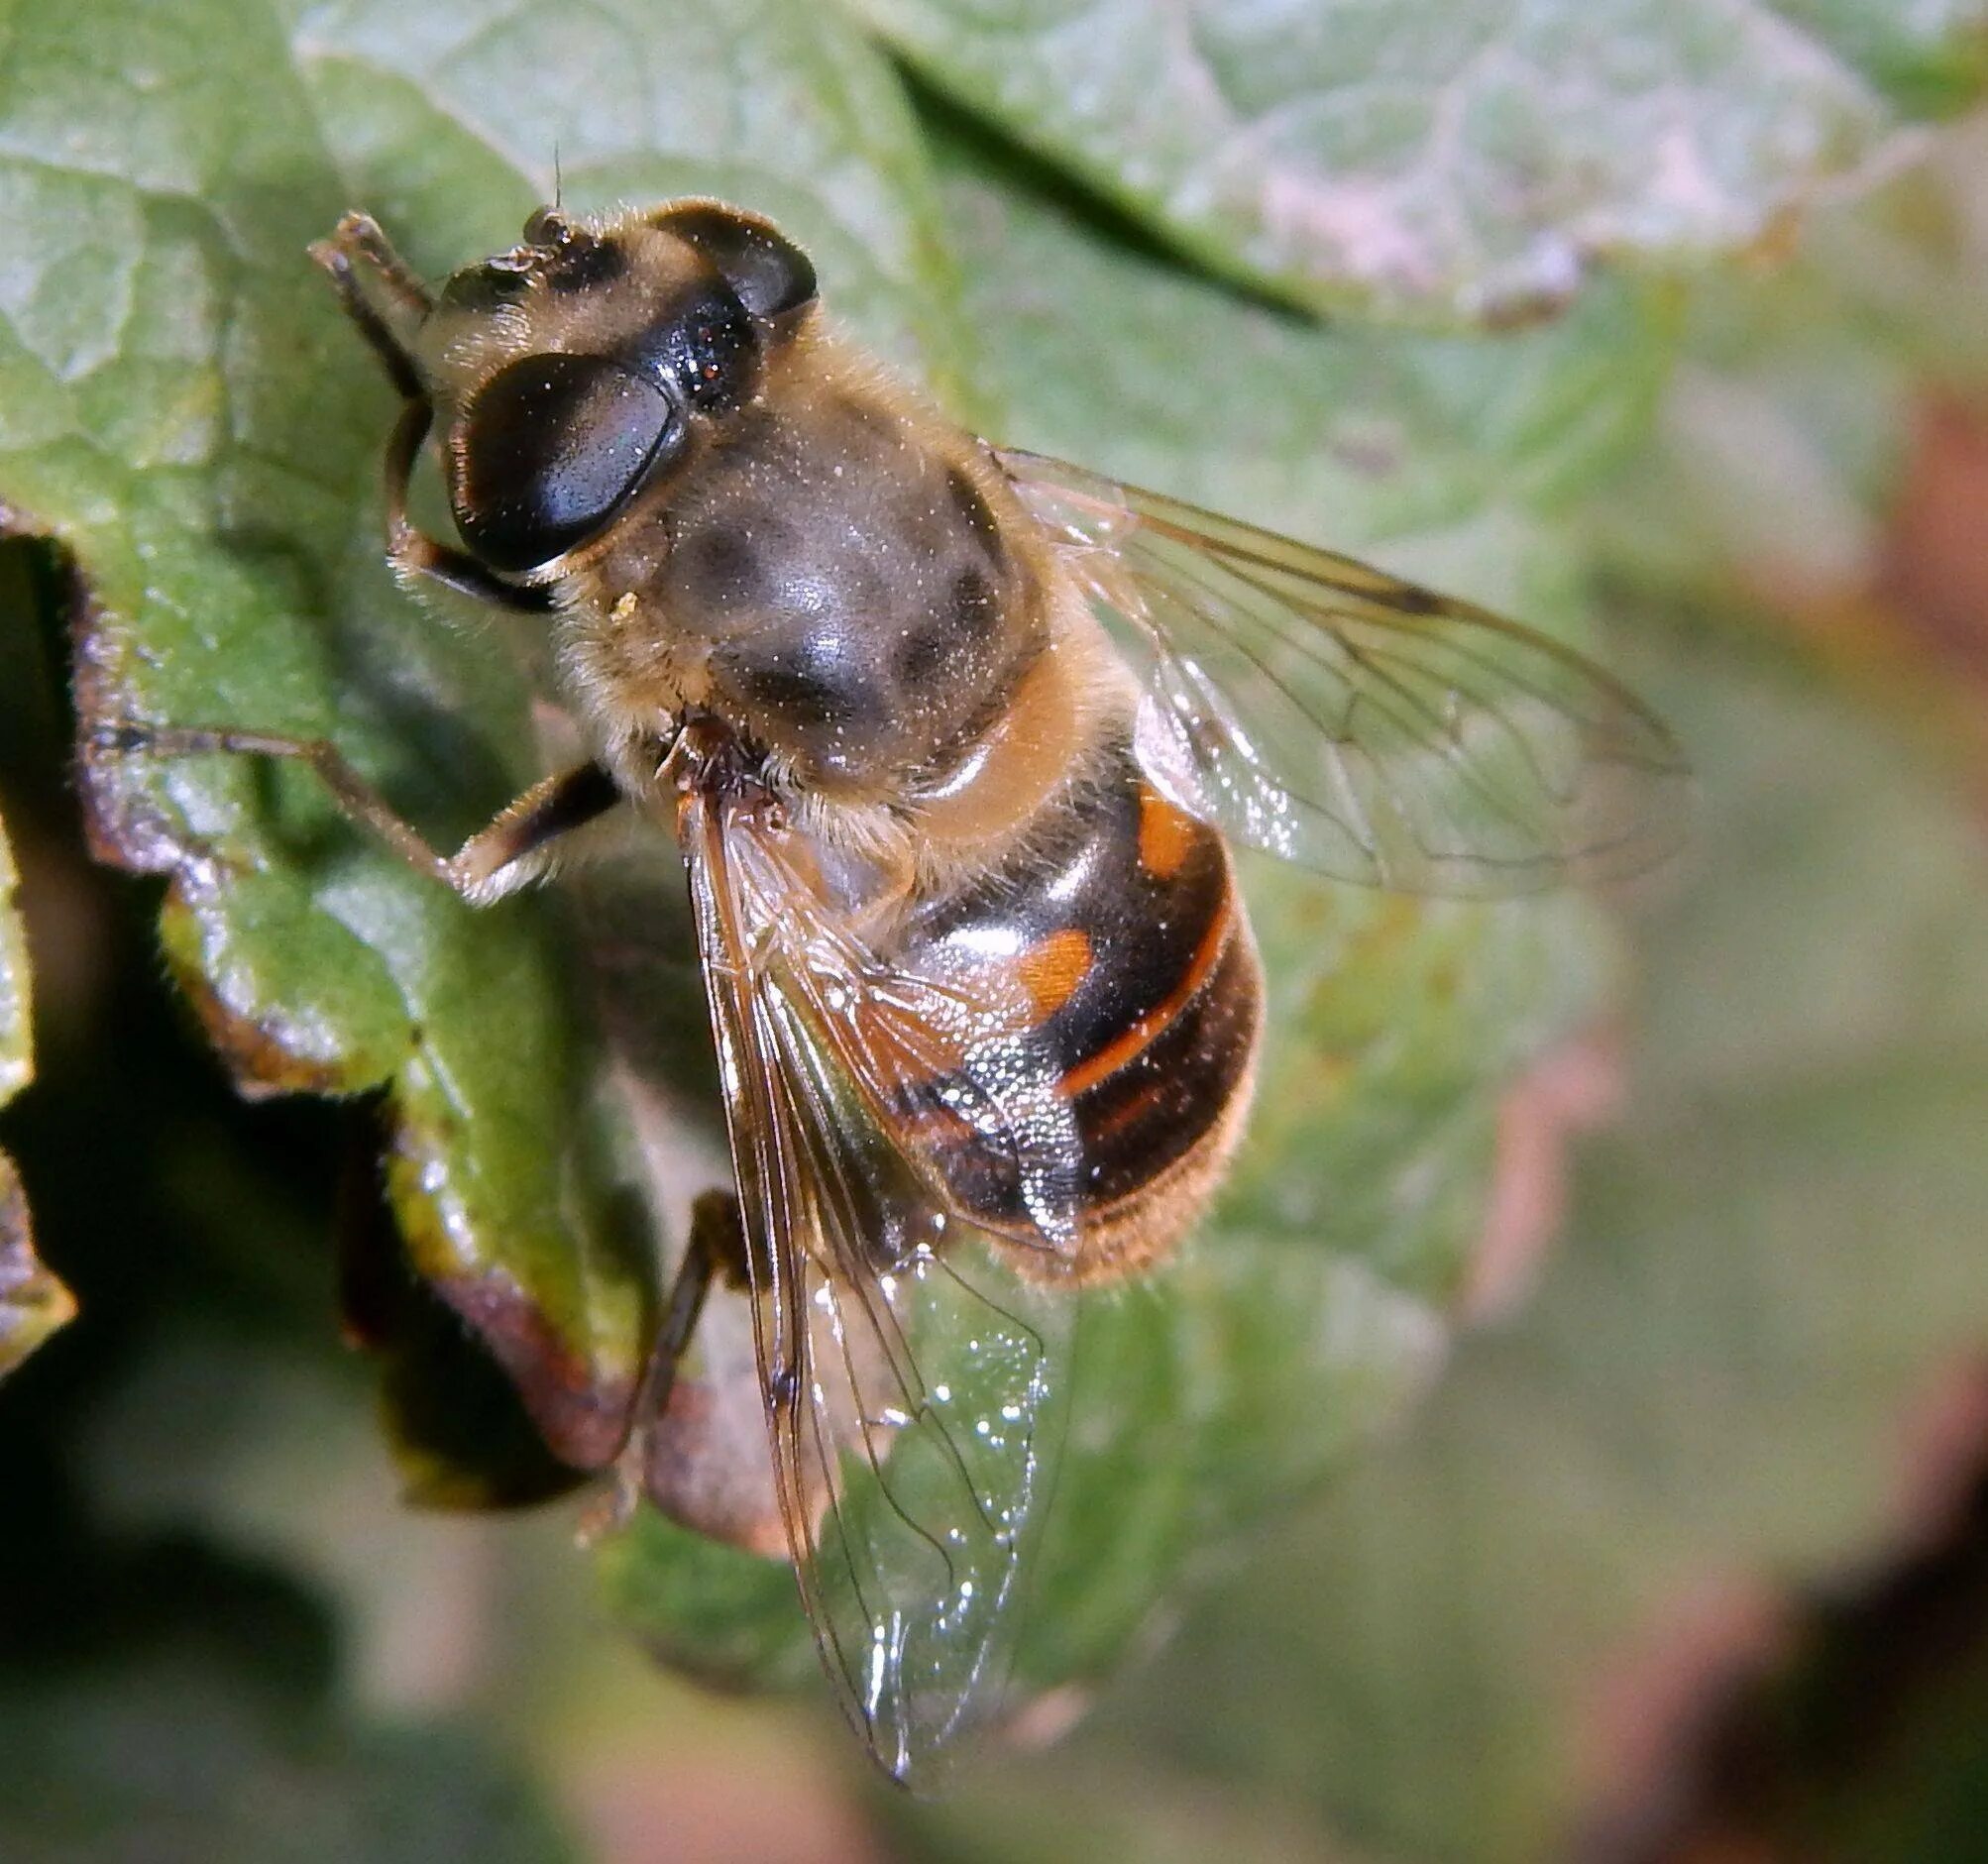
(1120, 916)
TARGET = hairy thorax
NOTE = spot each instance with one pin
(846, 584)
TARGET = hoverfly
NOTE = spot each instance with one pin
(953, 741)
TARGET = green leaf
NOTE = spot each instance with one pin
(458, 120)
(1436, 159)
(183, 408)
(1772, 1259)
(1781, 443)
(1771, 1271)
(1455, 459)
(33, 1302)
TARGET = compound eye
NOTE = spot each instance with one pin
(549, 450)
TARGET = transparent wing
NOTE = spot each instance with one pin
(1354, 723)
(908, 1378)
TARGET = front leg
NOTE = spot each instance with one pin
(517, 848)
(380, 291)
(414, 553)
(388, 304)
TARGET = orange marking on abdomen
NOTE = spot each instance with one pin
(1052, 970)
(1167, 835)
(1140, 1033)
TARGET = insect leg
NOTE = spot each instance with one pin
(715, 1230)
(365, 268)
(414, 553)
(357, 242)
(714, 1238)
(516, 847)
(519, 846)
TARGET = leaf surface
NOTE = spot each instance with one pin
(186, 412)
(1433, 159)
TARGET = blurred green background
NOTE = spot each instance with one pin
(1570, 1438)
